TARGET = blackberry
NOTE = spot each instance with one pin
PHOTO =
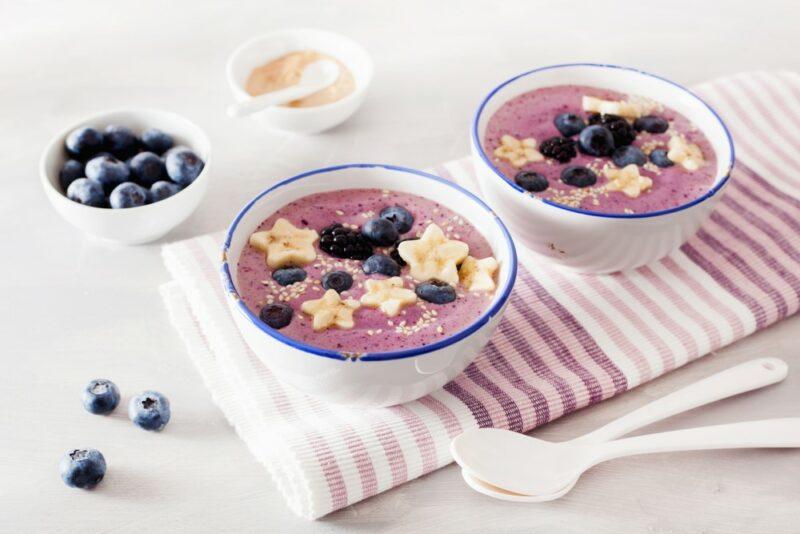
(623, 132)
(560, 149)
(395, 254)
(342, 242)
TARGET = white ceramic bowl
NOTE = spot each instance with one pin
(588, 241)
(381, 378)
(129, 226)
(270, 46)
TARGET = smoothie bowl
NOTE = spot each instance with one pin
(599, 168)
(352, 287)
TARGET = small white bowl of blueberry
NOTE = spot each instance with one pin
(127, 176)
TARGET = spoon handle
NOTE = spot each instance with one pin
(784, 432)
(744, 377)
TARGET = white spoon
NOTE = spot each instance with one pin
(541, 468)
(739, 379)
(315, 77)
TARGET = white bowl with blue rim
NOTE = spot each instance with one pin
(583, 240)
(379, 378)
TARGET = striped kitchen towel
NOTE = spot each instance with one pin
(567, 341)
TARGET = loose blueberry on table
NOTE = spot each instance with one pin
(117, 169)
(82, 468)
(599, 150)
(100, 396)
(365, 254)
(149, 410)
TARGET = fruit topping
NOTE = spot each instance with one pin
(660, 159)
(380, 264)
(434, 256)
(331, 311)
(395, 253)
(623, 132)
(518, 152)
(342, 242)
(561, 149)
(381, 232)
(596, 140)
(276, 315)
(287, 276)
(284, 244)
(531, 181)
(388, 295)
(478, 275)
(629, 109)
(627, 155)
(337, 280)
(578, 176)
(400, 217)
(436, 292)
(569, 124)
(651, 124)
(627, 180)
(684, 153)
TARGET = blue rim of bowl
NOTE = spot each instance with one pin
(485, 317)
(710, 193)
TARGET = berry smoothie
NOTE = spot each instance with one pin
(366, 270)
(600, 150)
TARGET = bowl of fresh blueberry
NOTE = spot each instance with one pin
(127, 176)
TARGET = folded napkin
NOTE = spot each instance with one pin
(567, 341)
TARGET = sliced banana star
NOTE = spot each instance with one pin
(433, 256)
(389, 295)
(284, 244)
(331, 310)
(627, 180)
(630, 109)
(518, 152)
(478, 275)
(687, 154)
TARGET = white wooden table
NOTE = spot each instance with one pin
(73, 309)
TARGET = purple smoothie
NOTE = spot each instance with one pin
(373, 331)
(531, 115)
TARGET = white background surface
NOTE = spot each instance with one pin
(73, 309)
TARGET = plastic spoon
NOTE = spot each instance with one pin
(540, 468)
(315, 77)
(738, 379)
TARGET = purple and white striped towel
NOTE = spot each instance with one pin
(567, 341)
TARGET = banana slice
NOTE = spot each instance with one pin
(389, 295)
(687, 154)
(284, 244)
(478, 275)
(331, 311)
(624, 108)
(518, 151)
(627, 180)
(433, 256)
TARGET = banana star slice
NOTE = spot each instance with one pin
(630, 109)
(284, 244)
(686, 154)
(331, 311)
(518, 152)
(627, 180)
(478, 275)
(388, 295)
(433, 256)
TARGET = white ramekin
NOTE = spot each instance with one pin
(587, 241)
(130, 226)
(372, 379)
(264, 48)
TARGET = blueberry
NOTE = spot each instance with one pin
(86, 192)
(380, 232)
(395, 253)
(625, 155)
(149, 410)
(100, 396)
(578, 176)
(183, 165)
(651, 124)
(156, 141)
(120, 141)
(107, 171)
(400, 217)
(660, 159)
(128, 195)
(337, 280)
(596, 140)
(569, 124)
(71, 171)
(146, 168)
(436, 292)
(84, 143)
(163, 189)
(380, 264)
(289, 275)
(82, 468)
(276, 315)
(531, 181)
